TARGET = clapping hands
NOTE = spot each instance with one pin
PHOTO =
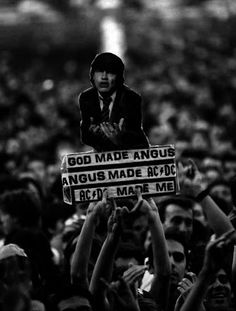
(108, 130)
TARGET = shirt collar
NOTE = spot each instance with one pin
(112, 96)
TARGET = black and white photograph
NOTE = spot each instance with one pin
(117, 155)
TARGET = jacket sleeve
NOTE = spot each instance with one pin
(133, 135)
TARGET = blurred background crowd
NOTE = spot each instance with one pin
(179, 56)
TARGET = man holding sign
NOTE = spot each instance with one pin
(111, 117)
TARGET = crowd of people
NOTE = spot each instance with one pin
(171, 253)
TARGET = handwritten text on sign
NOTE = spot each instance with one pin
(86, 175)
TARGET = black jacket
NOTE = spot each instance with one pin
(127, 105)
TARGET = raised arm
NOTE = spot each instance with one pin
(162, 269)
(104, 264)
(80, 258)
(213, 262)
(192, 183)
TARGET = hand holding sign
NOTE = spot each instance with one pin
(96, 209)
(115, 219)
(148, 206)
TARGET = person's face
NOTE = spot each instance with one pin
(104, 81)
(140, 226)
(198, 214)
(122, 264)
(177, 261)
(219, 292)
(179, 219)
(38, 169)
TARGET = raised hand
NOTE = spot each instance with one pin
(123, 295)
(191, 180)
(134, 274)
(103, 207)
(110, 131)
(115, 219)
(147, 207)
(186, 283)
(215, 253)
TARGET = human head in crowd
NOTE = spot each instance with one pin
(15, 276)
(177, 213)
(178, 256)
(128, 254)
(220, 188)
(136, 222)
(73, 297)
(212, 168)
(29, 182)
(19, 209)
(198, 214)
(54, 217)
(36, 165)
(229, 166)
(219, 293)
(139, 228)
(160, 134)
(15, 299)
(14, 266)
(200, 139)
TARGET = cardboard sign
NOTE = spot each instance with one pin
(86, 175)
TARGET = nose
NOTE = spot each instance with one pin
(217, 283)
(182, 227)
(172, 263)
(104, 74)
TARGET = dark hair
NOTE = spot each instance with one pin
(70, 290)
(27, 180)
(218, 182)
(15, 270)
(171, 234)
(23, 205)
(15, 298)
(182, 201)
(111, 63)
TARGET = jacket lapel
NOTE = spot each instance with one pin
(117, 107)
(95, 107)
